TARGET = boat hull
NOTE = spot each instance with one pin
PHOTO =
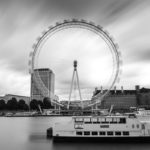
(141, 139)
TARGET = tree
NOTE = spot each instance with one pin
(34, 104)
(41, 104)
(12, 104)
(22, 105)
(25, 107)
(2, 105)
(47, 103)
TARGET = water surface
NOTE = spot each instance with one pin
(29, 133)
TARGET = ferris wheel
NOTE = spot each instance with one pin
(82, 24)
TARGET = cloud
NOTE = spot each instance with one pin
(12, 82)
(22, 21)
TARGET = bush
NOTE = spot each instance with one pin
(2, 105)
(34, 104)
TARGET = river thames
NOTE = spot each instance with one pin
(29, 133)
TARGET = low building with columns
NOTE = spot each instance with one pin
(123, 99)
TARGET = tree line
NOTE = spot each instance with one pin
(14, 105)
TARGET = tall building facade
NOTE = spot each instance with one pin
(42, 84)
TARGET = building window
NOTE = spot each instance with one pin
(109, 133)
(78, 133)
(102, 133)
(117, 133)
(125, 133)
(86, 133)
(94, 133)
(122, 120)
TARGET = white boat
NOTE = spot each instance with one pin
(101, 128)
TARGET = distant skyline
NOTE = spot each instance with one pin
(22, 21)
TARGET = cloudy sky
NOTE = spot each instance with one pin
(22, 21)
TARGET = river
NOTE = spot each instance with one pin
(29, 133)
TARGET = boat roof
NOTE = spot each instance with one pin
(113, 116)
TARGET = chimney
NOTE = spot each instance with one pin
(95, 91)
(115, 89)
(122, 91)
(137, 88)
(101, 89)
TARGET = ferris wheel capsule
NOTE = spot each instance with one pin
(38, 39)
(50, 27)
(44, 32)
(117, 46)
(30, 54)
(92, 23)
(112, 38)
(83, 21)
(75, 20)
(66, 21)
(99, 27)
(34, 46)
(106, 32)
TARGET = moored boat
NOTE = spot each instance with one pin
(101, 128)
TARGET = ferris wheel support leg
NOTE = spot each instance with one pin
(79, 90)
(71, 89)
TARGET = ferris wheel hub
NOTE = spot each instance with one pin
(75, 64)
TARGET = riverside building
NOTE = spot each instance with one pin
(42, 84)
(124, 99)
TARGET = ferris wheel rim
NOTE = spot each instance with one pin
(83, 23)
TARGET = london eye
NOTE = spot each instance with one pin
(78, 24)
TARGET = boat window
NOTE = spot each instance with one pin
(94, 133)
(114, 120)
(125, 133)
(109, 133)
(118, 120)
(109, 119)
(132, 125)
(103, 120)
(99, 120)
(78, 126)
(87, 120)
(104, 126)
(122, 120)
(106, 120)
(95, 120)
(117, 133)
(102, 133)
(78, 133)
(86, 133)
(143, 126)
(137, 125)
(78, 119)
(132, 116)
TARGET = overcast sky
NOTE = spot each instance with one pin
(22, 21)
